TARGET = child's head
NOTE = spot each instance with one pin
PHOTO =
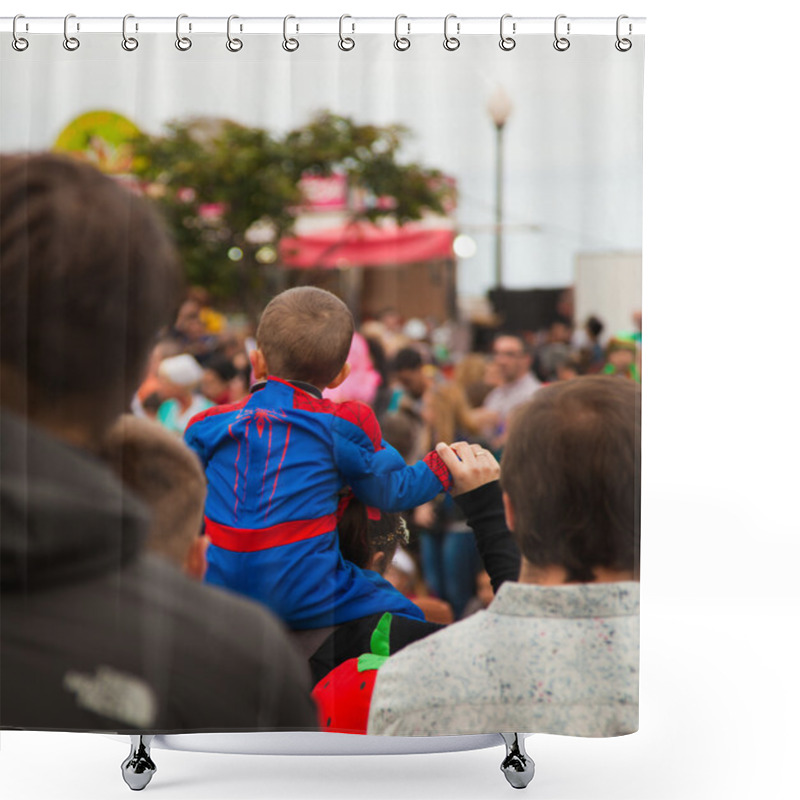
(621, 354)
(167, 475)
(370, 538)
(304, 335)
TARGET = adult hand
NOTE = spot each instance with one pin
(470, 465)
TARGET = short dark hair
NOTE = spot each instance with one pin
(511, 335)
(221, 365)
(572, 471)
(305, 335)
(361, 537)
(407, 358)
(89, 276)
(594, 326)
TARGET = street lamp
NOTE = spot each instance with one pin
(499, 108)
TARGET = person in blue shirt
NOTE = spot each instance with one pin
(277, 462)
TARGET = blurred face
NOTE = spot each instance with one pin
(212, 386)
(560, 333)
(510, 358)
(188, 321)
(621, 359)
(413, 381)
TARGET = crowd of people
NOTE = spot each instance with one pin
(315, 515)
(422, 389)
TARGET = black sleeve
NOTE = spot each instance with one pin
(483, 508)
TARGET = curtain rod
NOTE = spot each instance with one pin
(300, 25)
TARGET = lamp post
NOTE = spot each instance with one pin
(499, 108)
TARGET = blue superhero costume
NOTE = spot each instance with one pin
(275, 464)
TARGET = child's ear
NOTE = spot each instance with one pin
(259, 364)
(341, 377)
(194, 564)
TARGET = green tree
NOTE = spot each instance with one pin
(227, 189)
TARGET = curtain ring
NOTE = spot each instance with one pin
(18, 42)
(234, 45)
(507, 42)
(401, 43)
(289, 45)
(623, 45)
(129, 43)
(70, 42)
(451, 43)
(561, 43)
(346, 43)
(183, 43)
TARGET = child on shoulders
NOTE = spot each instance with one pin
(276, 463)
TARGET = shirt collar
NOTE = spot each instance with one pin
(302, 385)
(573, 600)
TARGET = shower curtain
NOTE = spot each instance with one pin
(475, 202)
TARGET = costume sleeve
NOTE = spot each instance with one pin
(376, 472)
(193, 436)
(483, 508)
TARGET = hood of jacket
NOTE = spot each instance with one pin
(64, 516)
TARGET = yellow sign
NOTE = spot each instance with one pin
(102, 138)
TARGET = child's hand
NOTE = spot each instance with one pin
(470, 465)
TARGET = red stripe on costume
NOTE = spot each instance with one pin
(360, 414)
(214, 410)
(246, 540)
(439, 469)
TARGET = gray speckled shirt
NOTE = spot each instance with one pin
(540, 659)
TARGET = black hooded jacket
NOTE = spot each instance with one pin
(96, 636)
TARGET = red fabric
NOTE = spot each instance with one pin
(245, 540)
(363, 417)
(363, 244)
(360, 414)
(343, 697)
(439, 469)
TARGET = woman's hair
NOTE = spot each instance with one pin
(450, 414)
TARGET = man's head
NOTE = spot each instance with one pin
(304, 335)
(167, 475)
(511, 357)
(571, 475)
(89, 276)
(409, 372)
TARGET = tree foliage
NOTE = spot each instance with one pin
(215, 180)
